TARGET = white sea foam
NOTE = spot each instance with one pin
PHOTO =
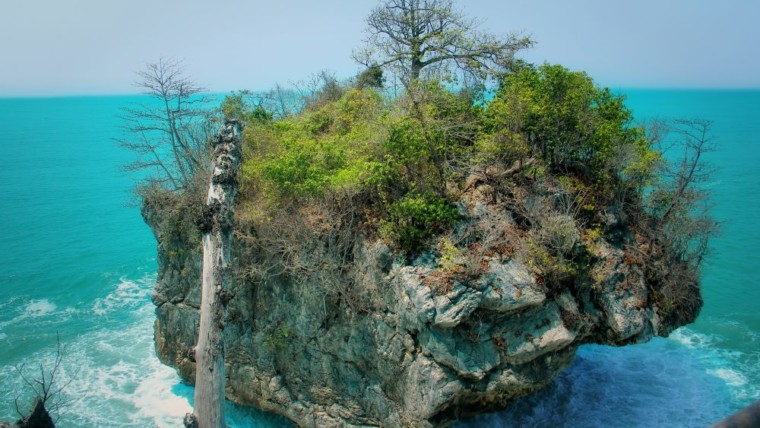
(732, 367)
(117, 379)
(691, 339)
(731, 377)
(39, 308)
(127, 293)
(155, 400)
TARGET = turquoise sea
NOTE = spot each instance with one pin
(76, 260)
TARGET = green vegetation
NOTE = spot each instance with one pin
(413, 219)
(543, 143)
(277, 337)
(321, 149)
(569, 164)
(408, 155)
(573, 126)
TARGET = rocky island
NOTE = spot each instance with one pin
(337, 320)
(387, 342)
(416, 258)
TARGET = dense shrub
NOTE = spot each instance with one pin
(331, 147)
(561, 117)
(415, 218)
(406, 158)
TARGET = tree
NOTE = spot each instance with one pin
(678, 224)
(429, 38)
(169, 133)
(678, 201)
(281, 102)
(243, 106)
(216, 229)
(47, 388)
(319, 90)
(562, 117)
(371, 77)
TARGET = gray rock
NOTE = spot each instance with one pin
(471, 359)
(456, 306)
(377, 346)
(623, 299)
(509, 287)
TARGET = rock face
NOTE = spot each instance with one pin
(38, 417)
(433, 345)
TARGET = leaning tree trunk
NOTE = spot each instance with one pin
(216, 228)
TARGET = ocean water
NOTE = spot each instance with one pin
(77, 262)
(709, 369)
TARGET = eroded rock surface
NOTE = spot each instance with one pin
(403, 343)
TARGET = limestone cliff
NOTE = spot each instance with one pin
(381, 340)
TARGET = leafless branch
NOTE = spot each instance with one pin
(415, 36)
(48, 386)
(168, 134)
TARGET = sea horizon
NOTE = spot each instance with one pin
(614, 88)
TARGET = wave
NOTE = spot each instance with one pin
(30, 314)
(39, 308)
(734, 368)
(687, 380)
(128, 293)
(115, 378)
(38, 311)
(122, 383)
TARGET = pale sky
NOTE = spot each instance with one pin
(72, 47)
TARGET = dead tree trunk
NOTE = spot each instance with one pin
(216, 228)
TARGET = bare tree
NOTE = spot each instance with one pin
(216, 228)
(679, 201)
(319, 89)
(683, 175)
(281, 102)
(678, 224)
(47, 388)
(169, 133)
(417, 38)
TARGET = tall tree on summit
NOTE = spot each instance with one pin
(429, 38)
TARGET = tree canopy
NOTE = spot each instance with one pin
(430, 38)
